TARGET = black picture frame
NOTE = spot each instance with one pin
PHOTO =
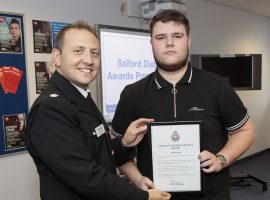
(177, 123)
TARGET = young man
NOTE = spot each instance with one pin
(178, 92)
(15, 42)
(67, 136)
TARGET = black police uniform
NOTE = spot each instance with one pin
(73, 159)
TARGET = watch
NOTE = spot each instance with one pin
(221, 159)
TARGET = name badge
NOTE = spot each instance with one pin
(100, 130)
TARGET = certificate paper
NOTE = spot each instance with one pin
(175, 147)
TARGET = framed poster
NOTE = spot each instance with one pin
(43, 73)
(10, 34)
(42, 35)
(13, 88)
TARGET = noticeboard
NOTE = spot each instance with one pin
(13, 84)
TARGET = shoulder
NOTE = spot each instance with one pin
(203, 74)
(52, 100)
(53, 108)
(209, 79)
(48, 95)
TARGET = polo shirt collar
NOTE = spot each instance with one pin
(161, 82)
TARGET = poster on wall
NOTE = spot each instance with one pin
(43, 73)
(13, 84)
(14, 131)
(42, 34)
(10, 34)
(56, 27)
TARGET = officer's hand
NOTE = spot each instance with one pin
(135, 132)
(155, 194)
(144, 183)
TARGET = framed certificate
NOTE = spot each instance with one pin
(174, 150)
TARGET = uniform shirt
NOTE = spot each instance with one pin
(199, 95)
(73, 161)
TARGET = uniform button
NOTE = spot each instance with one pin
(113, 152)
(54, 95)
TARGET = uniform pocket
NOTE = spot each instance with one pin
(92, 141)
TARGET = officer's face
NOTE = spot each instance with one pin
(170, 44)
(79, 61)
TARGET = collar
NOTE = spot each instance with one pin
(161, 82)
(82, 91)
(69, 90)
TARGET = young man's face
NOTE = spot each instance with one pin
(170, 44)
(79, 61)
(15, 30)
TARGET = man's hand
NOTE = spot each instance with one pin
(155, 194)
(209, 162)
(130, 170)
(144, 183)
(135, 132)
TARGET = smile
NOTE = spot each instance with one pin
(86, 70)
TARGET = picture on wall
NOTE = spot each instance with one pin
(10, 34)
(43, 72)
(56, 27)
(14, 130)
(42, 34)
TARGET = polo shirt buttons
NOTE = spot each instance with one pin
(113, 152)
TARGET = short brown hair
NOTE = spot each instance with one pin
(59, 42)
(170, 15)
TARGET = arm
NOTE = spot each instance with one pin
(134, 134)
(122, 146)
(131, 171)
(134, 175)
(239, 141)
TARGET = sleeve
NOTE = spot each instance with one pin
(232, 110)
(122, 154)
(61, 146)
(123, 114)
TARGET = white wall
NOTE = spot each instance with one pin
(214, 29)
(222, 30)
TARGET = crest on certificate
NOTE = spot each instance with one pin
(175, 136)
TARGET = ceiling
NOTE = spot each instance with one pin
(260, 7)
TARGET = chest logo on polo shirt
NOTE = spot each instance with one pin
(196, 109)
